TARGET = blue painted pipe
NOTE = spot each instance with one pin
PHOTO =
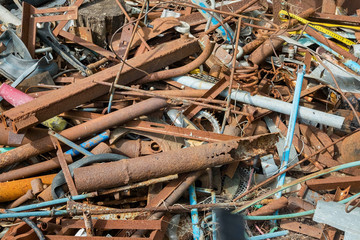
(51, 203)
(70, 143)
(194, 213)
(102, 137)
(291, 128)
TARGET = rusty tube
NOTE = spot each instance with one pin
(271, 207)
(45, 195)
(33, 169)
(37, 186)
(49, 227)
(171, 162)
(27, 196)
(135, 148)
(166, 74)
(82, 130)
(267, 48)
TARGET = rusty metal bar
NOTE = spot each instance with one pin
(64, 167)
(140, 184)
(331, 183)
(84, 90)
(87, 44)
(172, 162)
(82, 130)
(178, 131)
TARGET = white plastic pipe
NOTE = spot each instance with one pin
(7, 17)
(267, 103)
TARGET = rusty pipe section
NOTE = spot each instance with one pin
(33, 169)
(83, 130)
(45, 166)
(166, 74)
(135, 148)
(267, 48)
(272, 207)
(114, 174)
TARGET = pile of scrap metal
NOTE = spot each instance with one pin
(194, 119)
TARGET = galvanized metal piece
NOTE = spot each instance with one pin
(333, 214)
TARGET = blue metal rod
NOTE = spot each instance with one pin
(51, 203)
(70, 143)
(194, 213)
(102, 137)
(33, 214)
(291, 128)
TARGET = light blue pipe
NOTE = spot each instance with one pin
(51, 203)
(70, 143)
(102, 137)
(34, 214)
(291, 128)
(349, 63)
(194, 213)
(269, 235)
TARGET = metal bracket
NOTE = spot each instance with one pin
(30, 20)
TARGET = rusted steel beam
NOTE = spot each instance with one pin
(340, 18)
(82, 130)
(84, 90)
(171, 162)
(330, 183)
